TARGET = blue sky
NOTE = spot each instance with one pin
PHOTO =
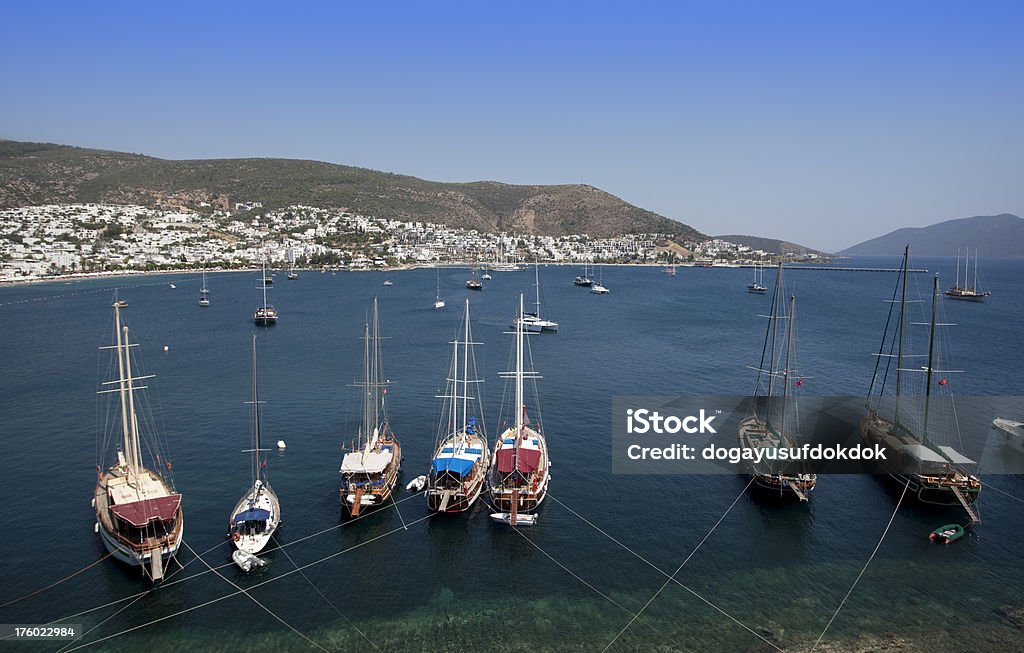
(823, 123)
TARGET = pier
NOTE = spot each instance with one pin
(835, 269)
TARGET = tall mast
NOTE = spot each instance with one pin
(536, 284)
(255, 418)
(974, 286)
(903, 319)
(519, 372)
(366, 384)
(377, 397)
(967, 262)
(777, 297)
(465, 374)
(263, 281)
(789, 354)
(453, 410)
(931, 356)
(958, 269)
(123, 390)
(132, 421)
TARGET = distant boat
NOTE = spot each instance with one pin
(486, 276)
(138, 512)
(909, 432)
(1012, 431)
(775, 427)
(597, 287)
(584, 279)
(521, 470)
(533, 322)
(292, 274)
(258, 513)
(204, 292)
(438, 302)
(758, 286)
(968, 291)
(172, 286)
(670, 270)
(119, 303)
(473, 283)
(369, 472)
(458, 472)
(265, 315)
(388, 282)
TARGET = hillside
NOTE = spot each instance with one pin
(991, 235)
(44, 173)
(771, 245)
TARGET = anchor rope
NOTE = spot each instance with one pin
(683, 564)
(55, 583)
(863, 569)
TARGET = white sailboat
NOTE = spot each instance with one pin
(369, 472)
(438, 302)
(266, 315)
(458, 471)
(584, 279)
(204, 292)
(758, 287)
(521, 469)
(138, 512)
(258, 513)
(533, 322)
(597, 287)
(969, 290)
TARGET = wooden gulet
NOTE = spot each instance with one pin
(138, 513)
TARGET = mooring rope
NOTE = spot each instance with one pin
(988, 485)
(863, 569)
(55, 583)
(683, 564)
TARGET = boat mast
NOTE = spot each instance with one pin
(789, 353)
(520, 407)
(958, 268)
(366, 387)
(123, 390)
(974, 286)
(465, 374)
(378, 399)
(132, 420)
(255, 419)
(931, 355)
(263, 282)
(903, 319)
(774, 333)
(536, 284)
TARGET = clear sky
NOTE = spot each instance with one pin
(823, 123)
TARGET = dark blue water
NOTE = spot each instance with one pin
(461, 582)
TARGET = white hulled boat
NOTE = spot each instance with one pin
(258, 513)
(138, 512)
(438, 302)
(533, 322)
(969, 290)
(204, 292)
(265, 315)
(458, 471)
(521, 469)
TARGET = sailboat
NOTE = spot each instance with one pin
(598, 287)
(138, 511)
(204, 292)
(292, 274)
(930, 471)
(533, 322)
(521, 469)
(670, 269)
(773, 422)
(502, 264)
(458, 471)
(968, 291)
(369, 472)
(438, 302)
(584, 279)
(758, 286)
(258, 513)
(473, 283)
(266, 315)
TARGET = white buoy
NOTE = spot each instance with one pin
(166, 347)
(281, 444)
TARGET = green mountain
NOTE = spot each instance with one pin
(991, 235)
(44, 173)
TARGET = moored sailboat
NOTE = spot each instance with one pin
(584, 279)
(533, 322)
(369, 472)
(458, 471)
(773, 422)
(204, 292)
(258, 513)
(758, 286)
(931, 472)
(265, 315)
(438, 302)
(521, 469)
(138, 511)
(969, 290)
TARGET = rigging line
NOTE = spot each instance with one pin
(664, 573)
(168, 583)
(599, 592)
(115, 613)
(329, 602)
(55, 583)
(987, 484)
(391, 496)
(254, 600)
(864, 568)
(683, 563)
(257, 585)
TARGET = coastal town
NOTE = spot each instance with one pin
(38, 242)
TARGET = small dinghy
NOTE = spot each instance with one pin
(246, 561)
(416, 484)
(526, 519)
(947, 534)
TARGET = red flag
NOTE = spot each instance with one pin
(799, 382)
(942, 382)
(264, 463)
(168, 466)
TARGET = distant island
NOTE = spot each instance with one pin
(991, 235)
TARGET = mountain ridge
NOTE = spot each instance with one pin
(992, 235)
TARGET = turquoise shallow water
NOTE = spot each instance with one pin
(461, 582)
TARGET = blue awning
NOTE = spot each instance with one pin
(457, 466)
(252, 515)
